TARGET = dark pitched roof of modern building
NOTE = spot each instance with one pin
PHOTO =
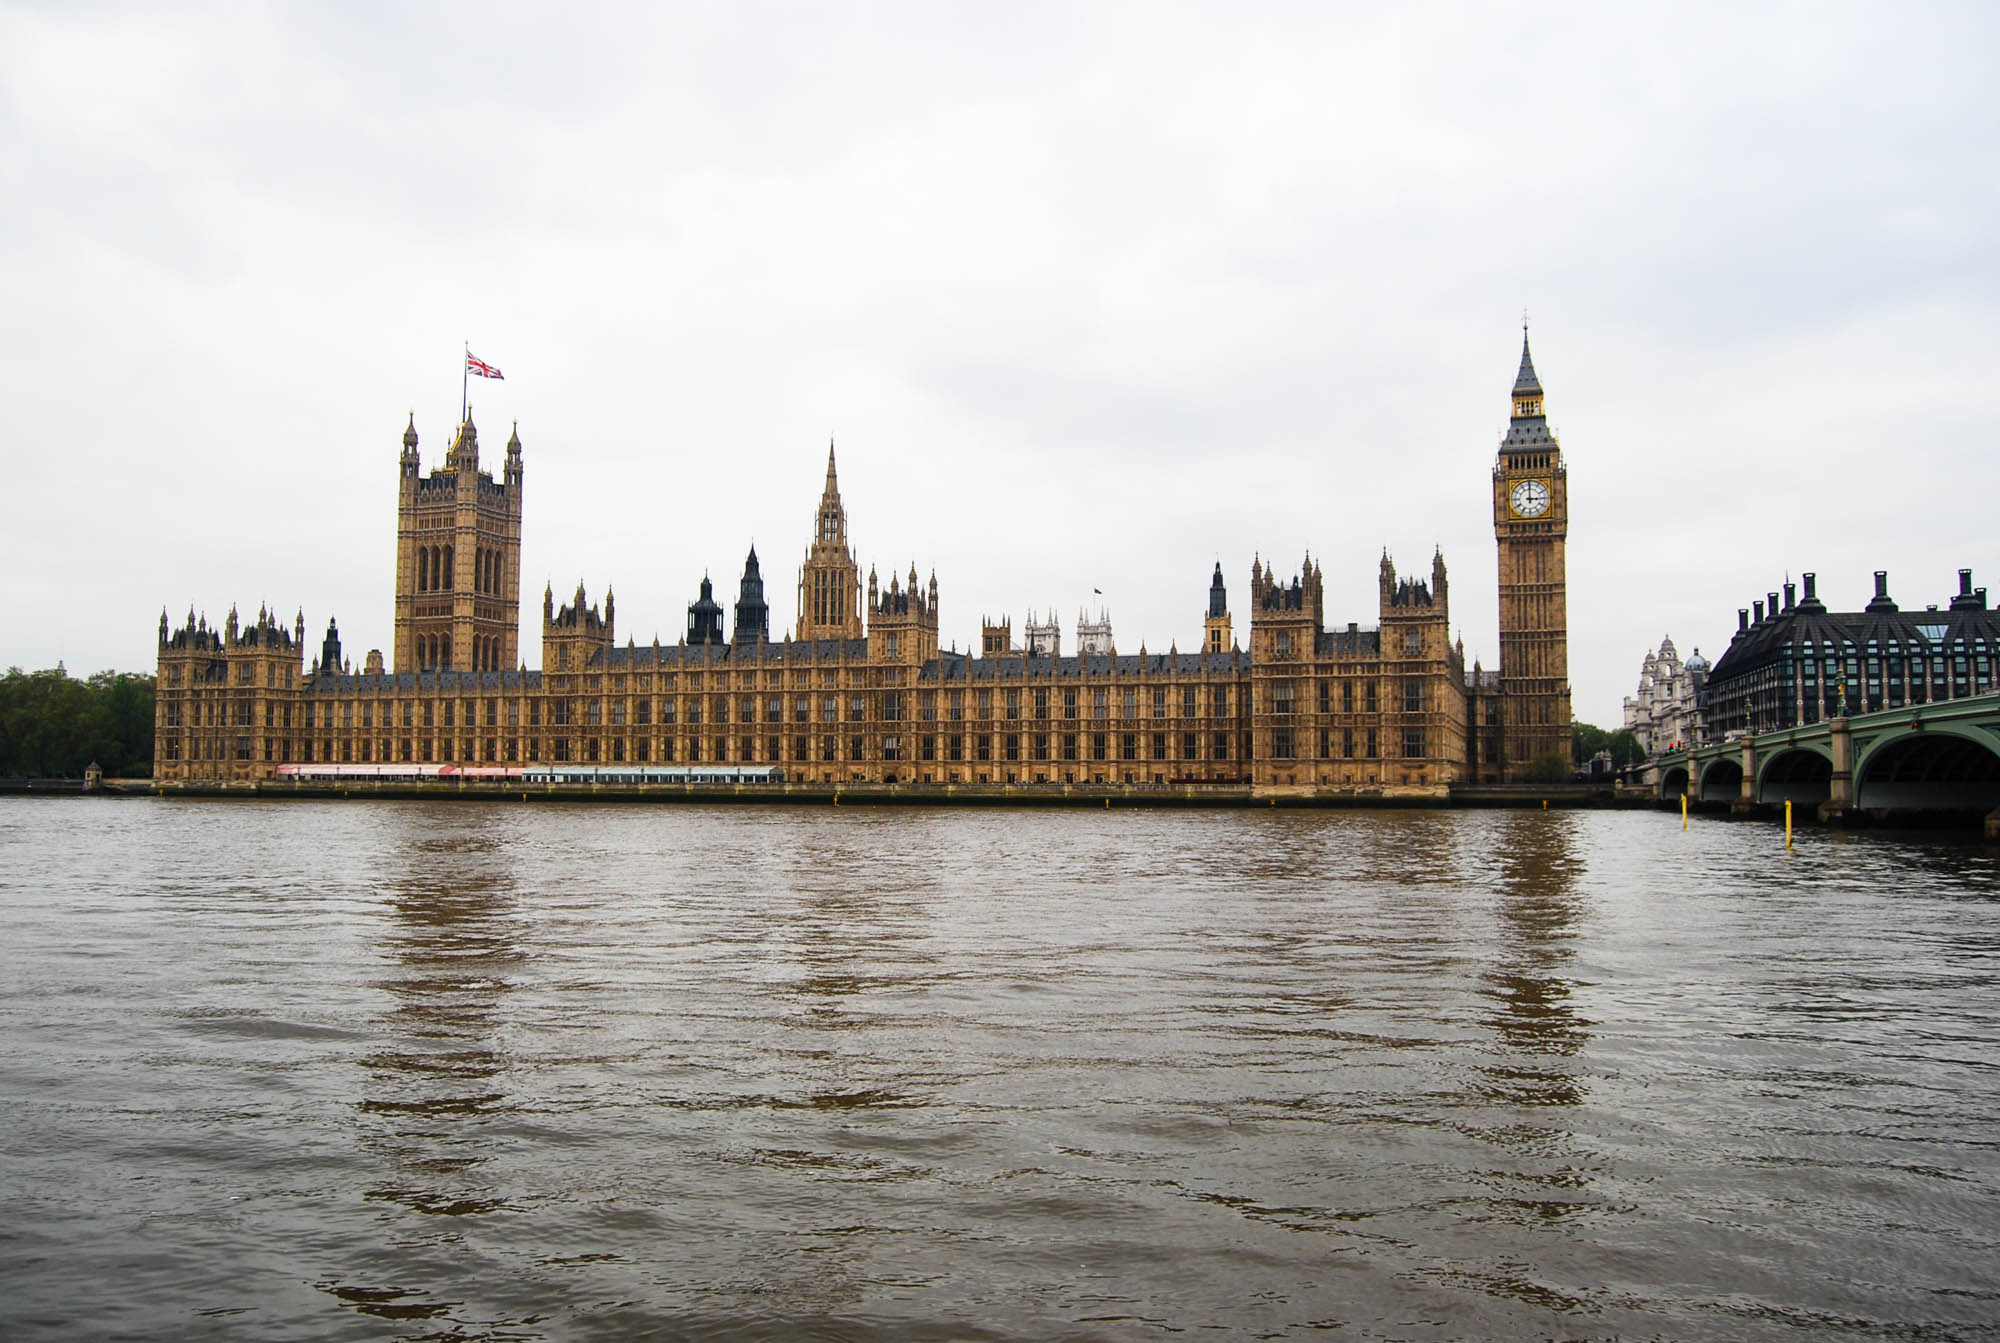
(1805, 627)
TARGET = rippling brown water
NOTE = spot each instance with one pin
(301, 1071)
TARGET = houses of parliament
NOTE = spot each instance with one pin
(858, 690)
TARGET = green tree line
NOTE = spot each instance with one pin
(53, 725)
(1586, 740)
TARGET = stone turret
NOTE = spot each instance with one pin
(753, 616)
(1093, 637)
(705, 616)
(329, 651)
(576, 636)
(902, 622)
(1044, 636)
(1217, 632)
(410, 462)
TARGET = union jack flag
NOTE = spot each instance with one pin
(474, 364)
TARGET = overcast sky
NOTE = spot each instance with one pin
(1091, 296)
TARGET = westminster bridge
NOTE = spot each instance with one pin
(1937, 758)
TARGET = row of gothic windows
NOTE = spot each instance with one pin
(436, 569)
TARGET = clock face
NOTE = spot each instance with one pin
(1530, 498)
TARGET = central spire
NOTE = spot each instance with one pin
(829, 587)
(832, 520)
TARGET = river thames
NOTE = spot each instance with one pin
(476, 1071)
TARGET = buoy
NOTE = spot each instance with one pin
(1788, 823)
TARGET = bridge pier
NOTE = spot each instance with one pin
(1839, 804)
(1746, 793)
(1993, 824)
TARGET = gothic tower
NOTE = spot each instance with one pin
(1217, 637)
(458, 559)
(705, 616)
(829, 580)
(753, 616)
(1531, 522)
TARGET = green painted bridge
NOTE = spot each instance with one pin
(1942, 757)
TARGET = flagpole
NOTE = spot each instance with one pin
(463, 393)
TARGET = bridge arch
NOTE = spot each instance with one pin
(1935, 768)
(1673, 782)
(1721, 780)
(1802, 774)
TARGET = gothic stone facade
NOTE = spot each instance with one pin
(859, 691)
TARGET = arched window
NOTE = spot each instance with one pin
(448, 567)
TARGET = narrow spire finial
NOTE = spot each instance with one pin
(1525, 381)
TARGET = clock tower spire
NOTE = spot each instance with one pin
(1531, 525)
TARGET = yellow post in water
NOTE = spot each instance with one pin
(1788, 823)
(1684, 811)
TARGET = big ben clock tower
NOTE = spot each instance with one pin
(1530, 522)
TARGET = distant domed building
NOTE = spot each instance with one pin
(1663, 714)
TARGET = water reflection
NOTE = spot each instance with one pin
(1529, 988)
(453, 953)
(1527, 982)
(631, 1073)
(856, 916)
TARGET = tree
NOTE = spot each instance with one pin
(1549, 767)
(1586, 740)
(52, 724)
